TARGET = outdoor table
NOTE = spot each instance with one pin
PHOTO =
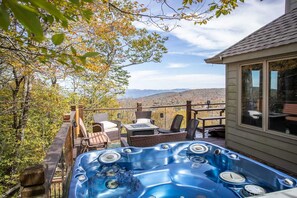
(210, 126)
(139, 129)
(221, 109)
(204, 119)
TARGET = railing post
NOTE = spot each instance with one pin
(188, 111)
(66, 118)
(76, 130)
(80, 115)
(139, 106)
(208, 103)
(32, 180)
(74, 123)
(81, 111)
(69, 142)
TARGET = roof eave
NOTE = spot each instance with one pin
(280, 50)
(214, 60)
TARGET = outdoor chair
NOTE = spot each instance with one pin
(143, 117)
(175, 126)
(152, 140)
(191, 129)
(111, 127)
(92, 140)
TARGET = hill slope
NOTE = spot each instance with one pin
(173, 98)
(137, 93)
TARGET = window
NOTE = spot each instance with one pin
(282, 102)
(251, 95)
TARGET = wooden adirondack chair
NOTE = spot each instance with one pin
(96, 141)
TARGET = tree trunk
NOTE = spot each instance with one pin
(25, 105)
(15, 91)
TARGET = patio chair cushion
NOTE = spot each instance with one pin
(108, 125)
(99, 117)
(111, 129)
(143, 120)
(254, 114)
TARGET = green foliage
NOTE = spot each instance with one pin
(28, 17)
(57, 39)
(4, 17)
(146, 47)
(224, 7)
(51, 9)
(28, 13)
(43, 123)
(90, 54)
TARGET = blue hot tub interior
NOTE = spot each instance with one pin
(180, 169)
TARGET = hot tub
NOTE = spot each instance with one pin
(180, 169)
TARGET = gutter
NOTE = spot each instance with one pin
(215, 60)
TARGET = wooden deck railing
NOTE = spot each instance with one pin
(159, 113)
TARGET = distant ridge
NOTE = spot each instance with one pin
(215, 95)
(138, 93)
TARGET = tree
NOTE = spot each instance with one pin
(92, 53)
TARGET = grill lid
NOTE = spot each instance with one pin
(232, 177)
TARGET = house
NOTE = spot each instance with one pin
(261, 92)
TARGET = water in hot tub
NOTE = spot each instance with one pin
(187, 169)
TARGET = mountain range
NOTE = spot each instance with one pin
(171, 97)
(137, 93)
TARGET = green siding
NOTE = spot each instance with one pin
(273, 148)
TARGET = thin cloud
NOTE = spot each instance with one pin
(177, 65)
(138, 75)
(225, 31)
(179, 81)
(199, 54)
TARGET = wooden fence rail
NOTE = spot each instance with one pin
(188, 108)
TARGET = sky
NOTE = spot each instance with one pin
(188, 45)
